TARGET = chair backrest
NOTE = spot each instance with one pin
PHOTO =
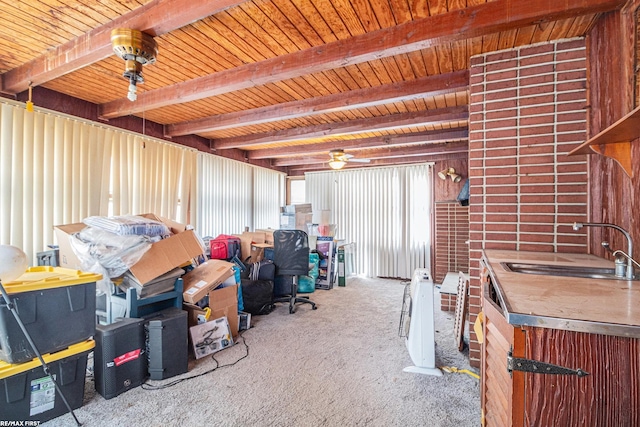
(291, 252)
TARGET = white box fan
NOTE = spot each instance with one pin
(417, 325)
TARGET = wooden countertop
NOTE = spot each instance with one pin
(610, 307)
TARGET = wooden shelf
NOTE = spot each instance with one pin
(615, 141)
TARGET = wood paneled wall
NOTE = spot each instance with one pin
(451, 230)
(614, 197)
(447, 190)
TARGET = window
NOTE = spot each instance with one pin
(296, 191)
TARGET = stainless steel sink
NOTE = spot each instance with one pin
(561, 270)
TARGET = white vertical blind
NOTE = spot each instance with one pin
(151, 176)
(384, 211)
(269, 194)
(49, 175)
(56, 169)
(224, 196)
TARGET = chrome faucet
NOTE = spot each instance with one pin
(629, 255)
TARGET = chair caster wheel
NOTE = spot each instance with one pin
(314, 307)
(291, 310)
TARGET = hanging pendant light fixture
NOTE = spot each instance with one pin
(137, 49)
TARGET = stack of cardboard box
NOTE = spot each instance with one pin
(296, 217)
(213, 281)
(254, 246)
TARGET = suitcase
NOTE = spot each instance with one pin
(257, 296)
(263, 270)
(167, 343)
(120, 362)
(224, 247)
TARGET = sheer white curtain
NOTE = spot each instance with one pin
(56, 169)
(386, 212)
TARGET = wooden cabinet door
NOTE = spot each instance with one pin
(608, 397)
(502, 392)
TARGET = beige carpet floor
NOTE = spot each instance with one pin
(340, 365)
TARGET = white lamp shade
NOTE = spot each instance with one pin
(336, 164)
(13, 263)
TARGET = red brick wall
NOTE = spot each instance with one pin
(452, 233)
(448, 302)
(527, 110)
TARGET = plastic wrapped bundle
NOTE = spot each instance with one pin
(97, 248)
(307, 284)
(126, 225)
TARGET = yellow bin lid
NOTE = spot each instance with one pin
(45, 277)
(8, 370)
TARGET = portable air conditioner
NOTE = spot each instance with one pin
(416, 323)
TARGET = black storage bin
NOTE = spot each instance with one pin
(167, 343)
(50, 258)
(57, 306)
(28, 394)
(120, 362)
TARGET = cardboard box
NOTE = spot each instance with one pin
(246, 240)
(205, 278)
(63, 233)
(300, 208)
(163, 256)
(268, 234)
(224, 302)
(287, 221)
(257, 251)
(210, 337)
(297, 221)
(193, 311)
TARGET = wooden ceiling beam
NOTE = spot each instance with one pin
(360, 98)
(301, 169)
(439, 136)
(385, 153)
(370, 124)
(461, 24)
(154, 18)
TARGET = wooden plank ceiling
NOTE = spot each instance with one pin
(285, 80)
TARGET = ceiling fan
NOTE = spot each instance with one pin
(339, 159)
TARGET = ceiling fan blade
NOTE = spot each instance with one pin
(360, 160)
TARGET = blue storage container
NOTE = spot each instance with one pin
(307, 284)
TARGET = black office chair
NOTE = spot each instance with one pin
(291, 257)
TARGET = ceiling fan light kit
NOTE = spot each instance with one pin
(339, 159)
(449, 172)
(136, 49)
(337, 164)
